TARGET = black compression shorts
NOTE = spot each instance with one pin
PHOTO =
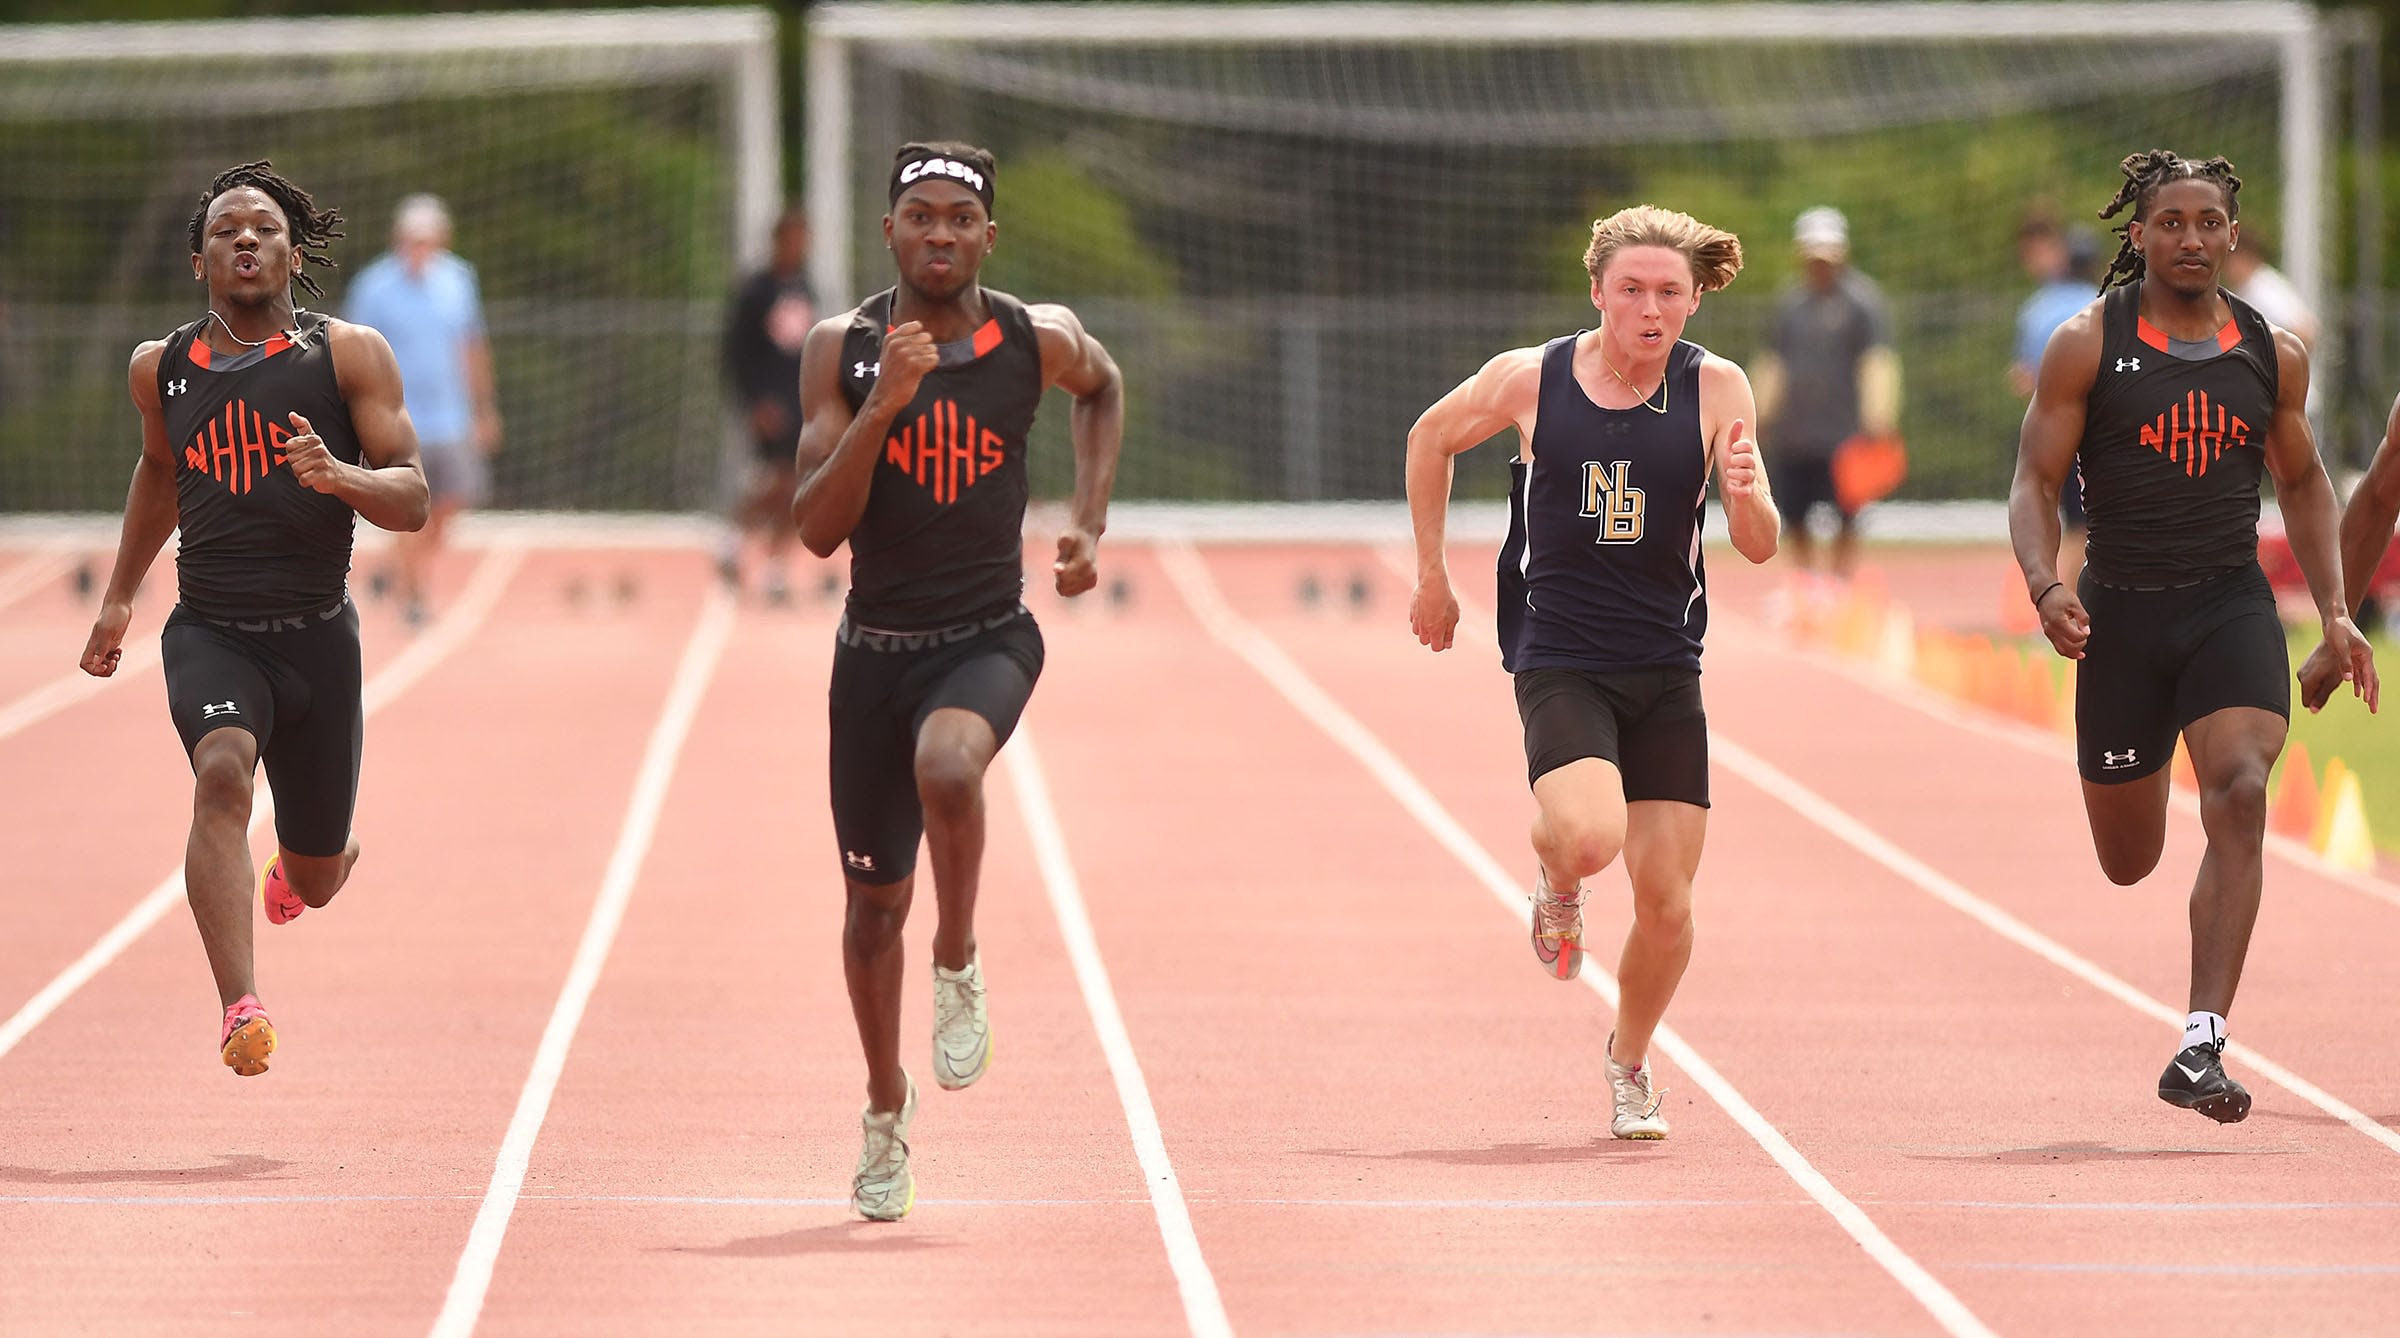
(2160, 659)
(1648, 723)
(884, 685)
(293, 684)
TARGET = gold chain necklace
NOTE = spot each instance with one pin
(1662, 383)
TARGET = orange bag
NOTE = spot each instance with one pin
(1867, 469)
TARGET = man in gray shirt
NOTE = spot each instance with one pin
(1828, 374)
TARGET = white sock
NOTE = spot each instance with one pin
(2203, 1029)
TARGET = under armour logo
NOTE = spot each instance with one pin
(2116, 761)
(2129, 364)
(211, 710)
(863, 370)
(175, 388)
(863, 863)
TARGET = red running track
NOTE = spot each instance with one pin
(1912, 1094)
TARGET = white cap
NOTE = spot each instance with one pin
(422, 216)
(1822, 231)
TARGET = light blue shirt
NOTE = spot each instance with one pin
(429, 319)
(2048, 308)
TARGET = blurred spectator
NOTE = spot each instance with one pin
(427, 304)
(772, 313)
(1829, 373)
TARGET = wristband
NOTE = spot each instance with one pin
(2037, 599)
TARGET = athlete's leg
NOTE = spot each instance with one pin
(871, 962)
(315, 878)
(2232, 751)
(1662, 853)
(216, 857)
(1580, 827)
(2129, 825)
(954, 748)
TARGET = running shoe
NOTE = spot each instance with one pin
(1637, 1113)
(2196, 1081)
(962, 1034)
(1557, 928)
(283, 904)
(248, 1037)
(883, 1190)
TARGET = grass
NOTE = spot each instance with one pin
(2366, 744)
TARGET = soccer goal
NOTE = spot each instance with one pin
(607, 174)
(1297, 225)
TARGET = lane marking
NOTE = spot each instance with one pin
(1831, 818)
(1199, 590)
(410, 665)
(1203, 1308)
(37, 570)
(701, 653)
(74, 686)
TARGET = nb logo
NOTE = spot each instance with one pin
(2129, 364)
(862, 863)
(2116, 761)
(211, 710)
(863, 370)
(1609, 496)
(175, 388)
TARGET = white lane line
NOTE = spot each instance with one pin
(1203, 1309)
(2053, 748)
(73, 686)
(1849, 830)
(1858, 836)
(474, 604)
(473, 1278)
(37, 570)
(1199, 590)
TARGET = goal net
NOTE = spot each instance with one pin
(1296, 226)
(607, 174)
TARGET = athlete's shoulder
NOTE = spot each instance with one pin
(345, 336)
(1718, 370)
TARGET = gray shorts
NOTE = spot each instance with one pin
(455, 472)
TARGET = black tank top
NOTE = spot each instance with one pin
(942, 540)
(1601, 569)
(256, 544)
(2173, 448)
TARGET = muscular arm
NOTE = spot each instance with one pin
(2311, 515)
(1750, 515)
(387, 486)
(1503, 393)
(150, 515)
(2367, 522)
(2311, 521)
(836, 460)
(1075, 362)
(2046, 448)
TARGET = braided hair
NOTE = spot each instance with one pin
(2145, 174)
(311, 228)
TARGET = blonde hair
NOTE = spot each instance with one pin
(1714, 254)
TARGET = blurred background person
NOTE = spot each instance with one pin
(2064, 265)
(426, 302)
(1828, 373)
(772, 313)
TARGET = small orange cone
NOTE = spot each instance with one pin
(2063, 719)
(2329, 789)
(2017, 614)
(2293, 812)
(2037, 698)
(2184, 777)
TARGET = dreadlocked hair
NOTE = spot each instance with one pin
(311, 228)
(2145, 173)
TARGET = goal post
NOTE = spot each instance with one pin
(1245, 197)
(609, 174)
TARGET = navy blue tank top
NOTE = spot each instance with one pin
(1601, 570)
(2174, 448)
